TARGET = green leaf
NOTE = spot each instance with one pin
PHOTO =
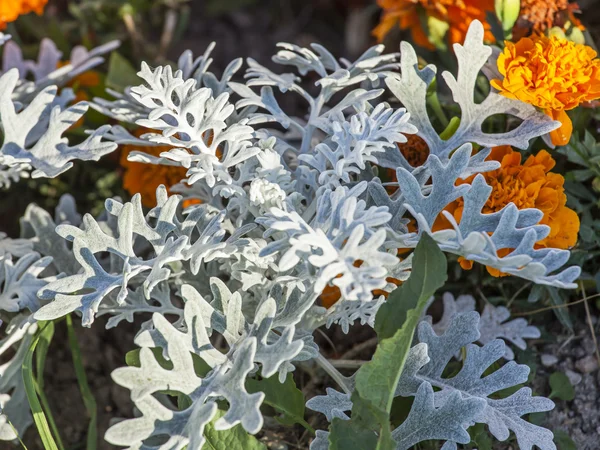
(45, 336)
(121, 73)
(395, 324)
(284, 397)
(347, 435)
(235, 438)
(563, 441)
(39, 418)
(480, 437)
(562, 312)
(429, 273)
(561, 387)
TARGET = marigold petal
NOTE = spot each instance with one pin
(562, 135)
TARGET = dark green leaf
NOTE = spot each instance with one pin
(563, 441)
(429, 273)
(347, 435)
(235, 438)
(480, 437)
(284, 397)
(39, 418)
(561, 387)
(121, 73)
(562, 312)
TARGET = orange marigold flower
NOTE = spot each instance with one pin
(10, 10)
(415, 150)
(145, 178)
(527, 185)
(538, 16)
(553, 74)
(408, 15)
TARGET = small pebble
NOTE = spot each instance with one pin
(574, 377)
(549, 360)
(587, 364)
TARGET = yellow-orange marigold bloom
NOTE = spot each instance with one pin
(538, 16)
(408, 15)
(145, 178)
(527, 185)
(10, 10)
(551, 73)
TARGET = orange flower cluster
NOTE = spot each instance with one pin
(538, 16)
(145, 178)
(11, 9)
(528, 185)
(551, 73)
(410, 15)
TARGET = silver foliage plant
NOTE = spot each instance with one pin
(290, 206)
(34, 114)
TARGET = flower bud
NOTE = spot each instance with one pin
(508, 12)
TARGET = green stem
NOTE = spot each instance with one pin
(341, 380)
(86, 393)
(434, 102)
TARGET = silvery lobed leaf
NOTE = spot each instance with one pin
(411, 89)
(132, 225)
(343, 232)
(448, 421)
(39, 228)
(333, 404)
(49, 69)
(427, 361)
(356, 142)
(20, 280)
(248, 344)
(493, 323)
(15, 247)
(43, 149)
(160, 302)
(14, 406)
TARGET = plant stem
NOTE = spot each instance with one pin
(86, 393)
(434, 102)
(341, 380)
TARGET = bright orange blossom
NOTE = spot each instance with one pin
(10, 10)
(409, 15)
(550, 73)
(527, 185)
